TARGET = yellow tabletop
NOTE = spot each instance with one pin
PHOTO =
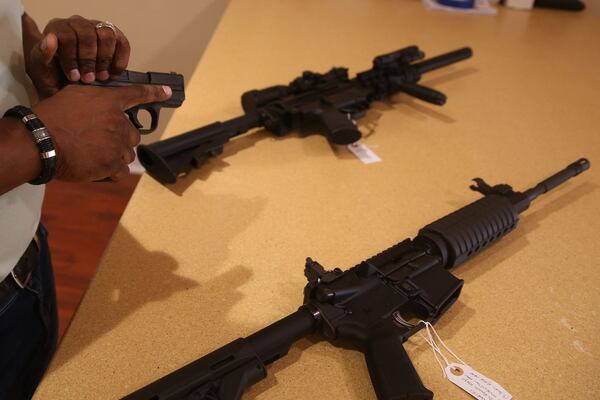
(220, 254)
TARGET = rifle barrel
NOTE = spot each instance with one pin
(443, 59)
(557, 179)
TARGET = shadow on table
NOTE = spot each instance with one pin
(132, 276)
(115, 293)
(176, 336)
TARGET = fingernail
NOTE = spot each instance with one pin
(89, 77)
(74, 75)
(44, 44)
(167, 90)
(102, 75)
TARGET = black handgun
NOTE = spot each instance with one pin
(171, 79)
(371, 306)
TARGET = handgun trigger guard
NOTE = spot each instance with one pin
(154, 112)
(132, 115)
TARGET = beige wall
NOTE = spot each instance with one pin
(164, 35)
(593, 6)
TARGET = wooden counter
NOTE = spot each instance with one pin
(220, 254)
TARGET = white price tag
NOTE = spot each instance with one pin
(463, 376)
(474, 383)
(363, 153)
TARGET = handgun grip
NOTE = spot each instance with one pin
(152, 108)
(337, 126)
(392, 373)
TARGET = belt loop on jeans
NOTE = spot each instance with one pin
(36, 239)
(20, 280)
(21, 283)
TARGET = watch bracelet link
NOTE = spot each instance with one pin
(41, 138)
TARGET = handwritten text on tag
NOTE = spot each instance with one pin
(477, 385)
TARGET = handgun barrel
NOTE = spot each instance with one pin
(557, 179)
(443, 59)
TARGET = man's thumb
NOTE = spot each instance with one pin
(40, 66)
(47, 49)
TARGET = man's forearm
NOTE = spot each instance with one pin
(20, 161)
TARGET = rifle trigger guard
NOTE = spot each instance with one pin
(401, 321)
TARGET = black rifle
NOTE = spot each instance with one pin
(368, 305)
(127, 78)
(327, 103)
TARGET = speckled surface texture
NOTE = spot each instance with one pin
(220, 254)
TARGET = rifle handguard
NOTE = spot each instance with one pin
(471, 229)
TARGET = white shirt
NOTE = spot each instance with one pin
(20, 208)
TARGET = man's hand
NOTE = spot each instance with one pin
(93, 137)
(72, 47)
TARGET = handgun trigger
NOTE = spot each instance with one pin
(132, 115)
(154, 111)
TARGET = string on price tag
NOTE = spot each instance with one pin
(462, 375)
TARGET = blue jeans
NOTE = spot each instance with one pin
(28, 330)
